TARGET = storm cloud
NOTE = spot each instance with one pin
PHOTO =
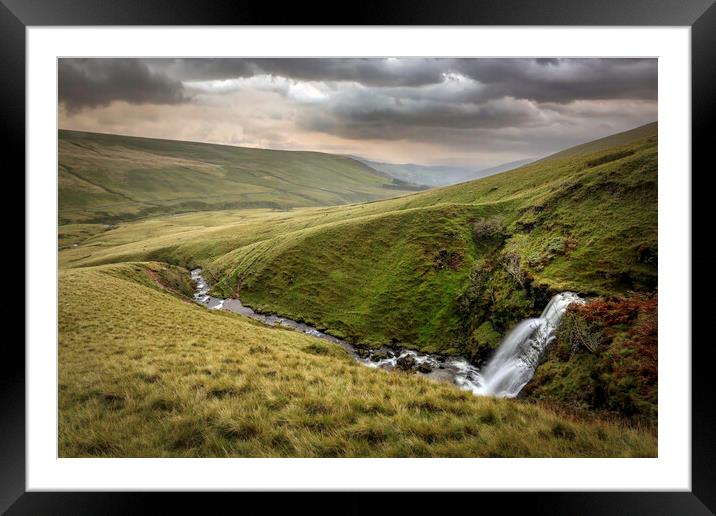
(441, 110)
(84, 83)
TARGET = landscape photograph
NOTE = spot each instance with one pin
(357, 257)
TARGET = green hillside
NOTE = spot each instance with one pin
(613, 140)
(406, 270)
(413, 270)
(149, 374)
(448, 270)
(108, 178)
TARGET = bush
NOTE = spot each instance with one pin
(445, 259)
(489, 230)
(512, 264)
(579, 333)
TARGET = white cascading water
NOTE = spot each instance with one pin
(520, 352)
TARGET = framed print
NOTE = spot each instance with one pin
(445, 248)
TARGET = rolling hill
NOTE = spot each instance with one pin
(404, 270)
(608, 142)
(108, 178)
(447, 270)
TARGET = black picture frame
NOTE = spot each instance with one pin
(700, 15)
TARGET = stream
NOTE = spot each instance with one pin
(504, 375)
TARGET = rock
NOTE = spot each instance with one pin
(405, 363)
(378, 356)
(362, 353)
(425, 368)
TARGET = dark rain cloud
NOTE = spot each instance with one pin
(461, 103)
(556, 80)
(98, 82)
(87, 83)
(565, 80)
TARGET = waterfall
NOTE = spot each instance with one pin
(520, 351)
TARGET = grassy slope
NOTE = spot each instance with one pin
(613, 140)
(396, 275)
(397, 270)
(71, 235)
(106, 178)
(149, 374)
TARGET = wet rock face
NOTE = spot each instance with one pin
(405, 363)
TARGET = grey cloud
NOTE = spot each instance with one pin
(565, 80)
(369, 72)
(198, 69)
(503, 93)
(521, 106)
(553, 79)
(86, 83)
(97, 82)
(386, 120)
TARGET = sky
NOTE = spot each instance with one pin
(433, 111)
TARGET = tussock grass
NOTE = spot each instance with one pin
(142, 373)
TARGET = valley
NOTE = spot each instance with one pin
(328, 246)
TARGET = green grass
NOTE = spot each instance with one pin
(150, 374)
(109, 178)
(72, 235)
(409, 270)
(613, 140)
(448, 270)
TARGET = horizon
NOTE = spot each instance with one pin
(469, 113)
(363, 158)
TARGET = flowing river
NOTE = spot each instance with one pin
(504, 375)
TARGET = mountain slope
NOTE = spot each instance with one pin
(108, 178)
(613, 140)
(423, 174)
(438, 175)
(504, 167)
(420, 270)
(448, 270)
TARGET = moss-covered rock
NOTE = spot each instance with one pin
(483, 342)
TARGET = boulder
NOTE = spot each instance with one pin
(425, 368)
(362, 353)
(405, 363)
(378, 356)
